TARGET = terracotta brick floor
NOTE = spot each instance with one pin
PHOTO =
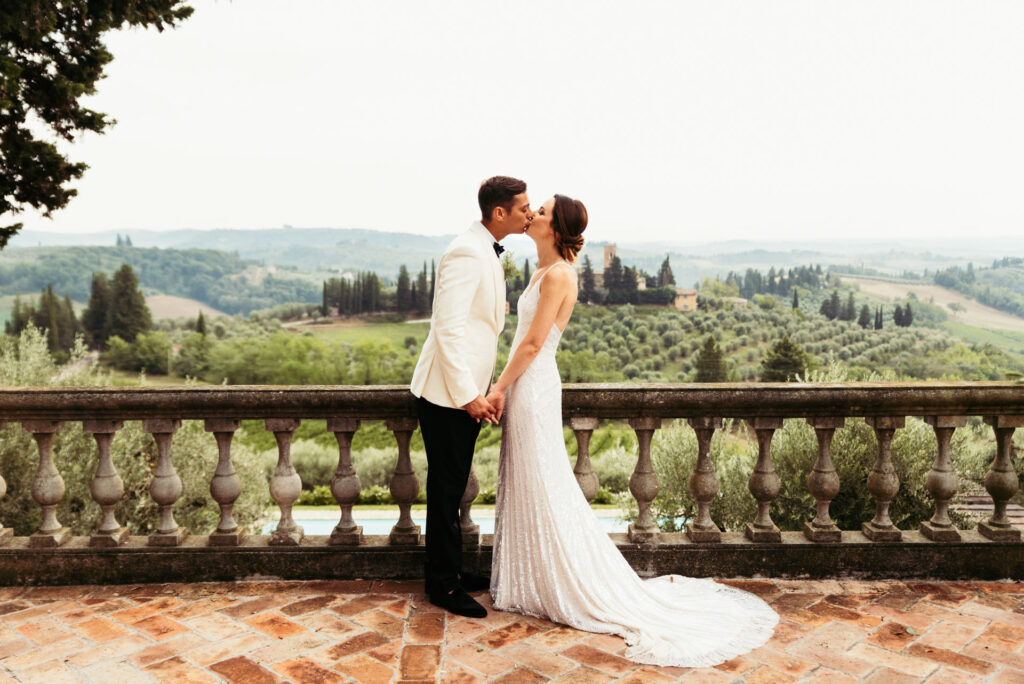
(333, 631)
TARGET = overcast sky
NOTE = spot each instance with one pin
(671, 120)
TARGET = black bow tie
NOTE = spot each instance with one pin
(498, 249)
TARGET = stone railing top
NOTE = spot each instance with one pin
(739, 400)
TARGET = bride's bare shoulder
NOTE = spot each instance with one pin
(558, 279)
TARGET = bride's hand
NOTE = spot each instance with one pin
(496, 398)
(481, 409)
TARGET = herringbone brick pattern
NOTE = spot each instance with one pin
(335, 631)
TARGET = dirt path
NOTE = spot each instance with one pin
(975, 314)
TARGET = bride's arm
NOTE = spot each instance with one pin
(554, 289)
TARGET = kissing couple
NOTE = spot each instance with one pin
(551, 558)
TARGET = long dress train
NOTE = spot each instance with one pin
(553, 560)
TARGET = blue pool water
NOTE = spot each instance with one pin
(384, 525)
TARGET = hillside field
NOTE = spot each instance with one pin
(353, 331)
(1004, 339)
(169, 306)
(975, 314)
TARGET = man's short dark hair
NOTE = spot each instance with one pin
(498, 191)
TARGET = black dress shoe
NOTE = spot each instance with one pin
(473, 582)
(458, 602)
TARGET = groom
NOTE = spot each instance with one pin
(453, 375)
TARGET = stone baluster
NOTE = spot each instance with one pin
(704, 482)
(345, 484)
(584, 471)
(470, 530)
(404, 483)
(107, 487)
(285, 484)
(48, 487)
(225, 487)
(763, 483)
(942, 480)
(643, 483)
(883, 483)
(6, 533)
(166, 485)
(823, 481)
(1001, 480)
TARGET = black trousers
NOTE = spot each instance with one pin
(449, 436)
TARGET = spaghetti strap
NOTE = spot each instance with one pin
(548, 270)
(536, 283)
(563, 263)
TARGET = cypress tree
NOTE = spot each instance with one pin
(373, 288)
(421, 299)
(94, 318)
(849, 311)
(50, 310)
(908, 316)
(665, 276)
(830, 308)
(69, 326)
(129, 314)
(526, 273)
(613, 281)
(879, 320)
(629, 278)
(865, 317)
(710, 365)
(357, 295)
(403, 300)
(796, 299)
(783, 362)
(433, 281)
(897, 315)
(588, 293)
(201, 324)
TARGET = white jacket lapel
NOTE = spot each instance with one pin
(499, 294)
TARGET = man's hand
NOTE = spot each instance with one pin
(481, 409)
(496, 398)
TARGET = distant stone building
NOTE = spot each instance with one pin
(609, 254)
(686, 299)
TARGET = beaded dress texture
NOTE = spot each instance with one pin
(552, 559)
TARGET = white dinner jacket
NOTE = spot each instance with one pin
(457, 361)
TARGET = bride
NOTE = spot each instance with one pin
(551, 557)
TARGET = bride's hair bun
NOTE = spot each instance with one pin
(568, 221)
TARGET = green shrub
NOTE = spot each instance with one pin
(488, 495)
(613, 467)
(794, 450)
(375, 495)
(318, 496)
(25, 361)
(314, 463)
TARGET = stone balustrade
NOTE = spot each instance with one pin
(938, 548)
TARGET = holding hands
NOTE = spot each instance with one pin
(496, 398)
(482, 409)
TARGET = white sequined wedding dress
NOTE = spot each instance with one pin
(553, 560)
